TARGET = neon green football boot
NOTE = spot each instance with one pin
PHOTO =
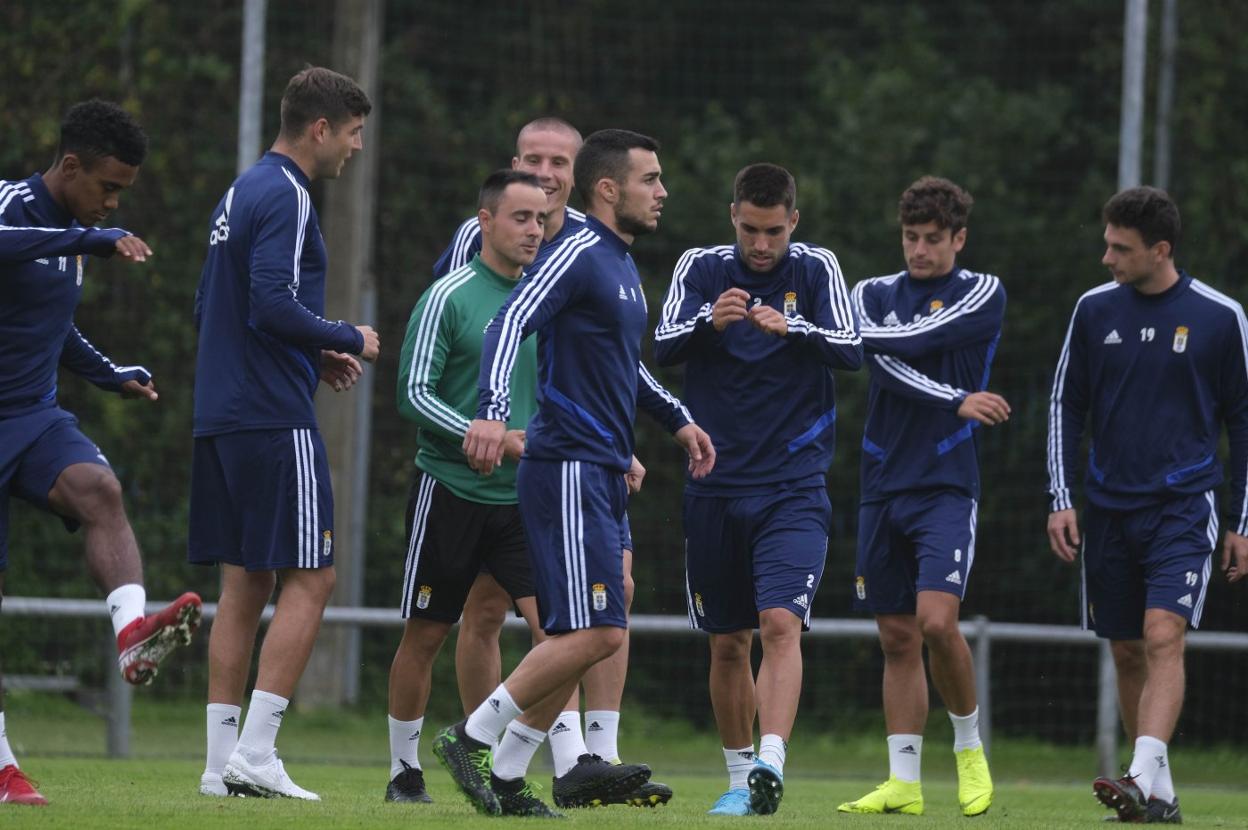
(893, 796)
(974, 782)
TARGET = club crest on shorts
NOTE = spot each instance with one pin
(790, 302)
(327, 543)
(697, 605)
(1180, 340)
(422, 598)
(860, 587)
(600, 596)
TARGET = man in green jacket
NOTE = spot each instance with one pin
(456, 519)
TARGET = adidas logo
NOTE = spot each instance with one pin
(559, 728)
(747, 755)
(623, 293)
(1161, 761)
(525, 738)
(230, 721)
(955, 578)
(908, 749)
(494, 704)
(415, 736)
(278, 715)
(1112, 339)
(1186, 600)
(113, 609)
(594, 726)
(890, 319)
(801, 601)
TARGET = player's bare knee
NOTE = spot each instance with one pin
(483, 618)
(940, 631)
(779, 628)
(731, 648)
(422, 640)
(608, 640)
(315, 584)
(90, 493)
(899, 637)
(1163, 639)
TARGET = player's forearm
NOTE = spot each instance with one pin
(838, 347)
(24, 244)
(900, 378)
(288, 320)
(430, 412)
(676, 340)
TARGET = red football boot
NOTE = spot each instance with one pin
(16, 788)
(142, 644)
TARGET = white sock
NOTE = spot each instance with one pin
(516, 750)
(566, 742)
(905, 755)
(492, 716)
(602, 727)
(222, 735)
(125, 605)
(1150, 754)
(966, 731)
(404, 744)
(264, 718)
(6, 753)
(771, 750)
(1163, 784)
(740, 762)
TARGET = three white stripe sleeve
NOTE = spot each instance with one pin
(897, 376)
(423, 356)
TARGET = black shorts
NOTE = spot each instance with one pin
(449, 540)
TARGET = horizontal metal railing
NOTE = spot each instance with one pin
(980, 632)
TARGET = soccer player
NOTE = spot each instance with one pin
(457, 520)
(261, 503)
(930, 333)
(1156, 362)
(47, 227)
(546, 147)
(761, 325)
(587, 306)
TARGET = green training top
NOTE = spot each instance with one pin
(438, 371)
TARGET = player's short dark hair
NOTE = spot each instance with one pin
(497, 182)
(549, 122)
(95, 129)
(604, 155)
(933, 199)
(1149, 210)
(765, 185)
(316, 92)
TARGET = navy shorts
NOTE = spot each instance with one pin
(746, 554)
(449, 540)
(1154, 557)
(261, 500)
(922, 541)
(572, 512)
(626, 535)
(34, 450)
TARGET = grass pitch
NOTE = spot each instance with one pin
(156, 794)
(343, 755)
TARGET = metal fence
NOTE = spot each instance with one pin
(981, 632)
